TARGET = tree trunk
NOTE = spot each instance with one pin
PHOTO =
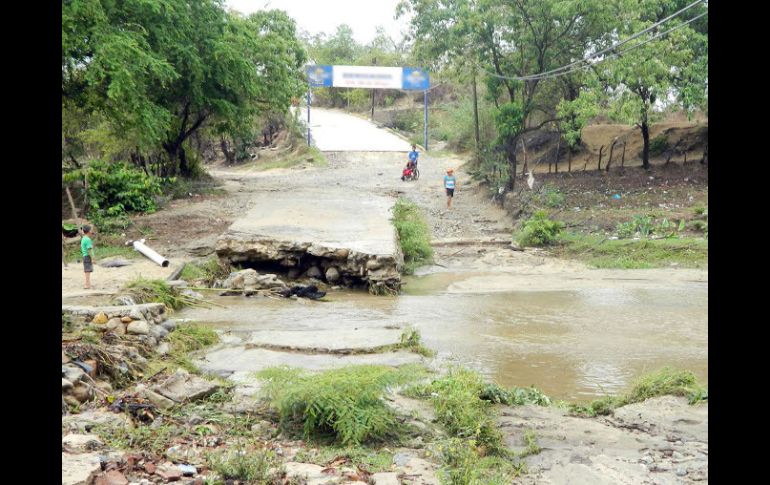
(646, 149)
(511, 154)
(601, 149)
(569, 159)
(72, 203)
(85, 192)
(705, 159)
(476, 114)
(556, 159)
(229, 156)
(524, 148)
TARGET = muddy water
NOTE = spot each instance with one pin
(572, 344)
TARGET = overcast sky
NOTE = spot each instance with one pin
(317, 16)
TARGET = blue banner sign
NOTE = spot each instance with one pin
(408, 78)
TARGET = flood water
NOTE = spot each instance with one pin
(574, 345)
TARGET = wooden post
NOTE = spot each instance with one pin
(569, 159)
(524, 147)
(612, 148)
(601, 149)
(556, 160)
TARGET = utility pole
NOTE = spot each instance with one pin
(475, 113)
(374, 63)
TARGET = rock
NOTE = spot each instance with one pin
(293, 274)
(332, 274)
(163, 348)
(308, 471)
(65, 385)
(262, 428)
(169, 325)
(75, 469)
(401, 459)
(169, 473)
(86, 421)
(104, 386)
(100, 318)
(113, 323)
(126, 319)
(70, 401)
(186, 388)
(82, 392)
(93, 366)
(161, 401)
(81, 443)
(139, 327)
(680, 472)
(386, 479)
(313, 272)
(158, 332)
(187, 470)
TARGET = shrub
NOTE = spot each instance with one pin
(345, 404)
(516, 396)
(539, 230)
(552, 197)
(248, 467)
(413, 233)
(658, 145)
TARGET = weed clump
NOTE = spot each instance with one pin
(539, 230)
(205, 272)
(146, 291)
(344, 404)
(516, 396)
(413, 234)
(255, 466)
(664, 382)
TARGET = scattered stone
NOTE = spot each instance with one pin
(401, 459)
(70, 401)
(169, 325)
(187, 470)
(82, 392)
(112, 477)
(65, 385)
(126, 319)
(150, 467)
(169, 473)
(186, 388)
(293, 273)
(680, 472)
(158, 332)
(100, 318)
(332, 274)
(386, 479)
(113, 323)
(313, 272)
(262, 428)
(163, 348)
(75, 469)
(139, 327)
(104, 386)
(86, 421)
(81, 443)
(161, 401)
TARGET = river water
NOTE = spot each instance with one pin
(575, 344)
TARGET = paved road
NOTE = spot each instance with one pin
(334, 131)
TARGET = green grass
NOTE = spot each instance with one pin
(307, 154)
(73, 253)
(183, 340)
(252, 466)
(158, 291)
(345, 405)
(516, 396)
(600, 252)
(374, 460)
(539, 230)
(206, 271)
(413, 235)
(665, 381)
(465, 463)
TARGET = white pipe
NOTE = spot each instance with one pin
(144, 249)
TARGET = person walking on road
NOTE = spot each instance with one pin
(450, 183)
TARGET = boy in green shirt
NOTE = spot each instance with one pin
(87, 250)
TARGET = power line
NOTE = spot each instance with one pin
(568, 68)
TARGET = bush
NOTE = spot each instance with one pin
(115, 189)
(247, 467)
(658, 145)
(345, 404)
(552, 197)
(413, 233)
(516, 396)
(539, 230)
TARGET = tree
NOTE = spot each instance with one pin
(154, 72)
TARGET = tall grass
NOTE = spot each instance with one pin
(413, 234)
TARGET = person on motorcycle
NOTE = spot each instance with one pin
(412, 164)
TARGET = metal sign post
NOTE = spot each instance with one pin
(426, 120)
(308, 116)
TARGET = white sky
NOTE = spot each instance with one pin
(316, 16)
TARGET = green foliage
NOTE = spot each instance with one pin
(552, 197)
(372, 459)
(645, 226)
(516, 396)
(509, 121)
(413, 234)
(205, 272)
(658, 145)
(631, 254)
(460, 409)
(539, 230)
(412, 340)
(465, 464)
(252, 466)
(145, 291)
(666, 381)
(115, 189)
(345, 404)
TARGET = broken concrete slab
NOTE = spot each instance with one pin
(326, 341)
(182, 388)
(76, 468)
(346, 231)
(81, 443)
(227, 360)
